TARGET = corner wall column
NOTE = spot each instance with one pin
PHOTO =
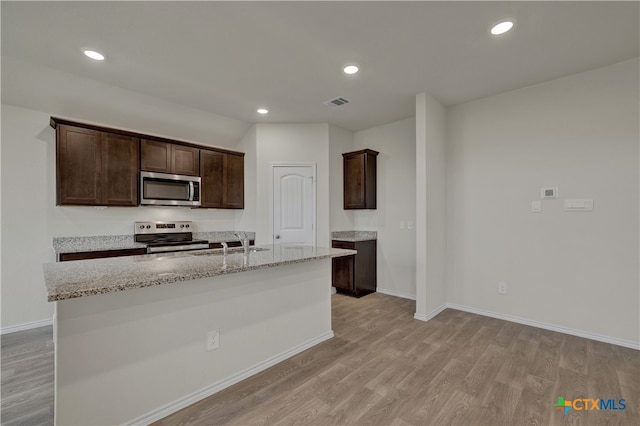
(431, 290)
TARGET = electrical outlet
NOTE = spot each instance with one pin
(409, 225)
(213, 339)
(502, 287)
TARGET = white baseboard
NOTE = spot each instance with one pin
(547, 326)
(185, 401)
(428, 316)
(26, 326)
(395, 293)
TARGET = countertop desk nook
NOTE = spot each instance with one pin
(132, 333)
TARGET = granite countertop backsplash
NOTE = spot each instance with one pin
(123, 242)
(353, 236)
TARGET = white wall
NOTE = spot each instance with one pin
(340, 141)
(246, 219)
(577, 270)
(26, 235)
(67, 95)
(396, 186)
(293, 143)
(431, 290)
(30, 218)
(324, 145)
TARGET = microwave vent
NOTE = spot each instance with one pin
(336, 102)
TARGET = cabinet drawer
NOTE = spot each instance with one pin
(343, 245)
(65, 257)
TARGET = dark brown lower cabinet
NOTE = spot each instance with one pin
(355, 275)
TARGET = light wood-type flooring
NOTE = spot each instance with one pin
(27, 378)
(386, 368)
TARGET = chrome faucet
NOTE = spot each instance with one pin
(244, 241)
(225, 246)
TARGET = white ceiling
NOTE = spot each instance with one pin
(229, 58)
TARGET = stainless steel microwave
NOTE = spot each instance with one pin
(162, 189)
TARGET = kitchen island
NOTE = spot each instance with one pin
(132, 334)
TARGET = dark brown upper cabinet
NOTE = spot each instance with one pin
(99, 166)
(360, 179)
(96, 168)
(165, 157)
(222, 179)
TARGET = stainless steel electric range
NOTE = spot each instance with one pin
(165, 237)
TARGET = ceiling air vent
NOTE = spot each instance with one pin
(336, 102)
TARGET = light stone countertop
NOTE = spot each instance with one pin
(81, 278)
(98, 243)
(353, 236)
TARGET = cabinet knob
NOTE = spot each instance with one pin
(277, 237)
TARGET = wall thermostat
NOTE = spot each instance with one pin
(549, 192)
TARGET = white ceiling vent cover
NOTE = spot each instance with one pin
(336, 102)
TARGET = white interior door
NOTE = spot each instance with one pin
(294, 199)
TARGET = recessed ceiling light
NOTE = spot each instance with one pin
(262, 111)
(350, 69)
(97, 56)
(502, 26)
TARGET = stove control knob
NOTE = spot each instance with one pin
(148, 226)
(187, 225)
(141, 226)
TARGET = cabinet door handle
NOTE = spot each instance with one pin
(191, 192)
